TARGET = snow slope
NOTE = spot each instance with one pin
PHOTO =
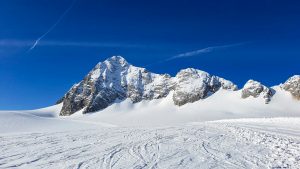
(41, 120)
(176, 138)
(221, 144)
(52, 111)
(223, 104)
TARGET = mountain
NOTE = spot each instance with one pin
(192, 85)
(115, 80)
(256, 89)
(112, 80)
(293, 86)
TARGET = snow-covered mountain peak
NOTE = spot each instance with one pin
(192, 85)
(116, 60)
(255, 89)
(194, 72)
(292, 85)
(116, 79)
(295, 77)
(252, 84)
(114, 64)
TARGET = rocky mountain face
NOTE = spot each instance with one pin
(111, 80)
(256, 89)
(293, 86)
(115, 80)
(192, 85)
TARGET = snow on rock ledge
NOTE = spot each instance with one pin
(256, 89)
(116, 79)
(292, 85)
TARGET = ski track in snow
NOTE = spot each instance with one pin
(200, 145)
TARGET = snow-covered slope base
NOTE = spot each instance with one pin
(41, 120)
(254, 143)
(223, 104)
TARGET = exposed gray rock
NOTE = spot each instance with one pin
(111, 80)
(293, 86)
(115, 79)
(192, 85)
(256, 89)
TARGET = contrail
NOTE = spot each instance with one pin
(28, 43)
(198, 52)
(203, 51)
(53, 26)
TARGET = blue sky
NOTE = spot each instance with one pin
(234, 39)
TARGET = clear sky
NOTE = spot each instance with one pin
(48, 45)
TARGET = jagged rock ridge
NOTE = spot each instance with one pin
(116, 79)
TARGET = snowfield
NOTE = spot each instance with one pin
(244, 143)
(157, 134)
(221, 105)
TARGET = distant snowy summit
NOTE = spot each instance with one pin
(293, 85)
(256, 89)
(116, 80)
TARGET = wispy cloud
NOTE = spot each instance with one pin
(28, 43)
(198, 52)
(36, 42)
(88, 44)
(14, 43)
(203, 51)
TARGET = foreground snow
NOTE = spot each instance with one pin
(246, 143)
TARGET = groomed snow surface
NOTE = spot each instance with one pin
(157, 134)
(254, 143)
